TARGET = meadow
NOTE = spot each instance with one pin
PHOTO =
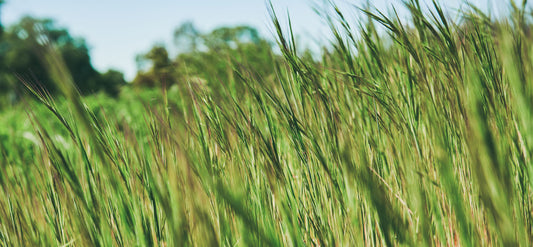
(401, 133)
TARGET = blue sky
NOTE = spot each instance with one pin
(117, 30)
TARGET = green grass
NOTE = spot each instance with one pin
(417, 136)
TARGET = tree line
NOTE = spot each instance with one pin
(206, 58)
(21, 47)
(203, 57)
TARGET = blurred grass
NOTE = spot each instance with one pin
(419, 135)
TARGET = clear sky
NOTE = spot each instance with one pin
(117, 30)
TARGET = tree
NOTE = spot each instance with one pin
(187, 37)
(231, 37)
(210, 57)
(160, 69)
(22, 46)
(3, 83)
(113, 79)
(227, 47)
(1, 26)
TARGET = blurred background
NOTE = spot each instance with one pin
(107, 44)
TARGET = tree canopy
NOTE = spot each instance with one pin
(21, 47)
(206, 55)
(209, 56)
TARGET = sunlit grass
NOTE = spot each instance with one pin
(416, 136)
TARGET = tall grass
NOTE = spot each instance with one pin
(418, 135)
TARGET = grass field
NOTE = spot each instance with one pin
(420, 135)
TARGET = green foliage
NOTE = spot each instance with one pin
(113, 79)
(21, 55)
(1, 26)
(417, 136)
(210, 57)
(160, 70)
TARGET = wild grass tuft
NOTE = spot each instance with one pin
(413, 133)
